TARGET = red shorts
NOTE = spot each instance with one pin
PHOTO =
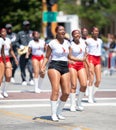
(95, 60)
(77, 66)
(38, 57)
(1, 60)
(7, 59)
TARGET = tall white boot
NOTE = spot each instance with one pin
(86, 92)
(36, 85)
(59, 110)
(79, 99)
(54, 110)
(95, 89)
(4, 91)
(78, 89)
(1, 96)
(40, 81)
(90, 96)
(72, 102)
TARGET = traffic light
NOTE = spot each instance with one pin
(51, 2)
(52, 7)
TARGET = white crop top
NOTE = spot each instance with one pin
(1, 44)
(78, 50)
(37, 47)
(7, 44)
(94, 46)
(59, 51)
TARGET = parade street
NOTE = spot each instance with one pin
(26, 110)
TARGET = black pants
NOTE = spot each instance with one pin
(14, 66)
(25, 63)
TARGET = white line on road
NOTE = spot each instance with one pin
(14, 91)
(24, 91)
(48, 105)
(41, 100)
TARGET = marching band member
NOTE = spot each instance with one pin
(37, 48)
(58, 72)
(94, 57)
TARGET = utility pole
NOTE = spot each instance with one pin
(44, 25)
(54, 24)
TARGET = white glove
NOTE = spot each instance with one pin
(22, 47)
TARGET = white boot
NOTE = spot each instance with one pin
(79, 106)
(90, 96)
(40, 83)
(54, 109)
(36, 85)
(1, 96)
(95, 89)
(78, 89)
(59, 110)
(72, 102)
(12, 80)
(4, 91)
(86, 92)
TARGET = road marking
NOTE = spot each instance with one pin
(14, 91)
(41, 100)
(48, 105)
(38, 119)
(24, 91)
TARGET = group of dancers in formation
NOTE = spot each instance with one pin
(70, 64)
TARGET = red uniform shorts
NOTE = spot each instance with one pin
(95, 60)
(77, 66)
(1, 60)
(7, 59)
(38, 57)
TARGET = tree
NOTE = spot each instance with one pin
(95, 12)
(16, 11)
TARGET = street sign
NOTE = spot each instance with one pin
(49, 16)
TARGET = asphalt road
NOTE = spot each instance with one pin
(26, 110)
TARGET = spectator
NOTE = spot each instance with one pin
(113, 55)
(24, 37)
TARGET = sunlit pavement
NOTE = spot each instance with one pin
(26, 110)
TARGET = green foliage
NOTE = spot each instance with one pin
(105, 39)
(97, 12)
(16, 11)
